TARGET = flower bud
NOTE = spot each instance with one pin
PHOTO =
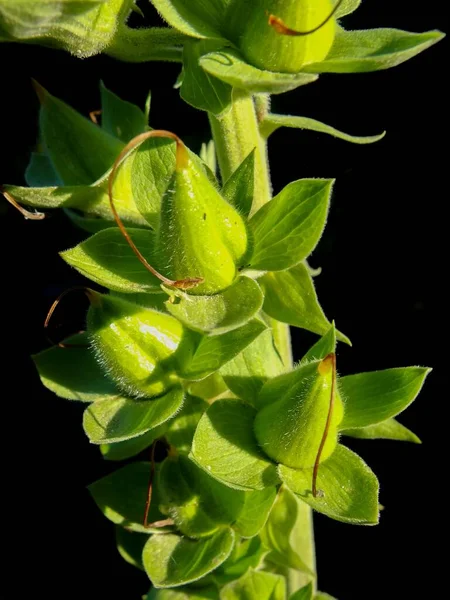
(274, 34)
(302, 425)
(140, 348)
(200, 234)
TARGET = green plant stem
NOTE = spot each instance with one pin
(143, 45)
(235, 135)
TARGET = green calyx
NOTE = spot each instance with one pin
(141, 349)
(297, 425)
(200, 235)
(282, 35)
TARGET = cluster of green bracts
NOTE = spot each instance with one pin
(180, 346)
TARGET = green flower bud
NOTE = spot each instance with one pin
(301, 428)
(282, 35)
(200, 234)
(140, 348)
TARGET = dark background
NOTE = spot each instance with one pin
(384, 274)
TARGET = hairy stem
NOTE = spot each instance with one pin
(235, 135)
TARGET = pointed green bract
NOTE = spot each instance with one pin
(280, 533)
(346, 7)
(108, 259)
(199, 504)
(133, 446)
(73, 373)
(119, 117)
(349, 488)
(220, 312)
(255, 585)
(291, 427)
(199, 89)
(240, 187)
(373, 50)
(273, 122)
(371, 398)
(118, 419)
(287, 229)
(326, 345)
(290, 297)
(305, 593)
(254, 514)
(122, 496)
(323, 596)
(201, 19)
(224, 445)
(40, 171)
(171, 560)
(386, 430)
(130, 545)
(229, 66)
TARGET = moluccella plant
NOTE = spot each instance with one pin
(188, 345)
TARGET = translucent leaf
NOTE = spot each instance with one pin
(239, 188)
(246, 554)
(201, 19)
(290, 297)
(130, 545)
(373, 50)
(224, 445)
(117, 419)
(280, 531)
(373, 397)
(323, 596)
(255, 585)
(180, 431)
(346, 8)
(386, 430)
(246, 374)
(108, 259)
(120, 118)
(200, 89)
(220, 312)
(273, 122)
(171, 560)
(133, 446)
(254, 514)
(208, 155)
(199, 504)
(305, 593)
(122, 496)
(73, 373)
(349, 488)
(229, 66)
(287, 229)
(214, 351)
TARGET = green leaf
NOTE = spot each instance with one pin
(323, 596)
(208, 155)
(224, 445)
(386, 430)
(120, 118)
(254, 514)
(214, 351)
(40, 171)
(80, 151)
(73, 373)
(209, 388)
(200, 89)
(122, 496)
(373, 50)
(88, 224)
(245, 555)
(180, 593)
(290, 297)
(273, 122)
(133, 446)
(221, 312)
(117, 419)
(200, 19)
(229, 66)
(326, 345)
(347, 7)
(305, 593)
(287, 229)
(255, 585)
(240, 187)
(281, 530)
(350, 488)
(180, 431)
(373, 397)
(246, 374)
(171, 560)
(198, 504)
(108, 259)
(130, 546)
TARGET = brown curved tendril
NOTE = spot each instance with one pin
(33, 216)
(281, 28)
(89, 293)
(164, 522)
(182, 159)
(331, 357)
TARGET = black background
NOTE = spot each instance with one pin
(384, 281)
